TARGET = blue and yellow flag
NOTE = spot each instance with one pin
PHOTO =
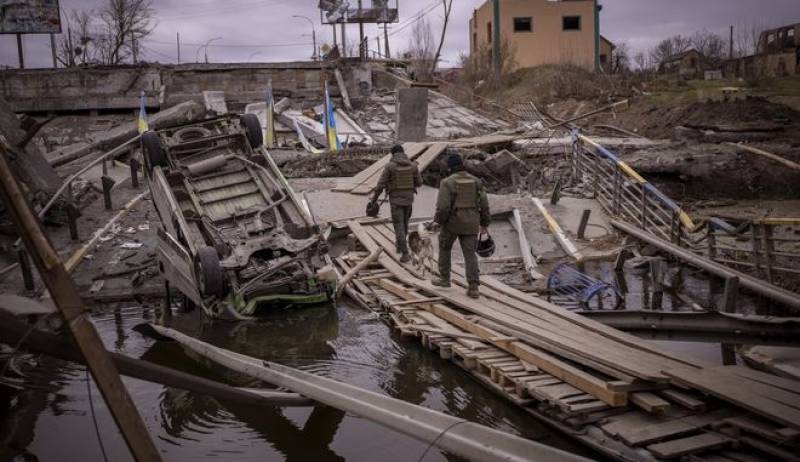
(330, 123)
(143, 127)
(269, 132)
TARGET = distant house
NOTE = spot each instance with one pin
(542, 32)
(606, 53)
(688, 64)
(777, 54)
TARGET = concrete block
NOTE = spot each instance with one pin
(215, 102)
(412, 114)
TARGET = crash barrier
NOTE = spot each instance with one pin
(570, 288)
(768, 249)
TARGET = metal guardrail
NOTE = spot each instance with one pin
(768, 249)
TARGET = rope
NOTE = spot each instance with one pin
(439, 437)
(94, 416)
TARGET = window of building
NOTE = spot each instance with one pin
(572, 23)
(523, 24)
(489, 32)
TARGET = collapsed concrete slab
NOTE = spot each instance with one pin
(182, 113)
(412, 114)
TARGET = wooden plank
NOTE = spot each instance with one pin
(690, 445)
(649, 402)
(683, 399)
(783, 454)
(770, 379)
(660, 432)
(741, 396)
(760, 428)
(412, 150)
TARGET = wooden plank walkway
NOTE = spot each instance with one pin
(628, 397)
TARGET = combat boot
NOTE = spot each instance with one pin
(440, 282)
(405, 257)
(473, 292)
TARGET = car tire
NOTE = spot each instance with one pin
(252, 128)
(152, 151)
(209, 272)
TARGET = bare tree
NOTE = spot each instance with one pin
(76, 47)
(110, 35)
(448, 7)
(125, 23)
(710, 45)
(479, 66)
(640, 59)
(422, 50)
(670, 47)
(747, 35)
(621, 58)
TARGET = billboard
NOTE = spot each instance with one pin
(337, 11)
(29, 17)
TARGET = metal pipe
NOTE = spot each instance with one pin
(454, 435)
(766, 289)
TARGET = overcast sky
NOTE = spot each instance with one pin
(264, 30)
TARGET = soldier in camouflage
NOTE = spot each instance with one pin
(462, 211)
(400, 179)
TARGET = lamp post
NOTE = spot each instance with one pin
(253, 55)
(204, 46)
(313, 34)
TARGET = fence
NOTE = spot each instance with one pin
(768, 249)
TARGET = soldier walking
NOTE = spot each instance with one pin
(401, 179)
(462, 211)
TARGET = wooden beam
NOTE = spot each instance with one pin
(68, 301)
(372, 257)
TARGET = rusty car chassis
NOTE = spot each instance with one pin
(235, 239)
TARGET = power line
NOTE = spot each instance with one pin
(228, 9)
(417, 19)
(235, 45)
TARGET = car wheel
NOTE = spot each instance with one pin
(152, 151)
(209, 272)
(252, 127)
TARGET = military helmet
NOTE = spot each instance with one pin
(485, 246)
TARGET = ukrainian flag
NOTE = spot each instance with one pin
(330, 123)
(269, 133)
(143, 127)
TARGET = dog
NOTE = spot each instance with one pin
(421, 246)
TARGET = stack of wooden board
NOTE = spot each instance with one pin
(563, 367)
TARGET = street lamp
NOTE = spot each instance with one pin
(253, 55)
(313, 34)
(204, 46)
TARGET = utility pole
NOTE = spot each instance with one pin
(730, 52)
(333, 27)
(19, 52)
(597, 9)
(344, 40)
(53, 49)
(178, 36)
(498, 62)
(378, 39)
(68, 301)
(360, 32)
(135, 51)
(71, 53)
(386, 41)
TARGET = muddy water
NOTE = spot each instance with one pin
(51, 421)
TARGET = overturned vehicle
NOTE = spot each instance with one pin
(235, 239)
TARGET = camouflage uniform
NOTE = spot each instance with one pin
(401, 179)
(462, 208)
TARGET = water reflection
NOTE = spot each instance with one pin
(343, 343)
